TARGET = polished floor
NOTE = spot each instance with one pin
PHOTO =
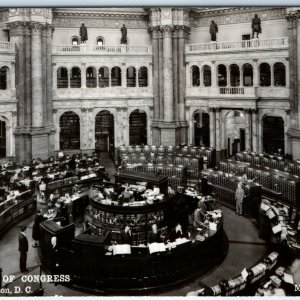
(245, 249)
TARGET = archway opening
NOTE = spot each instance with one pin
(91, 77)
(69, 124)
(131, 77)
(222, 75)
(247, 75)
(2, 139)
(62, 78)
(75, 80)
(273, 134)
(279, 74)
(201, 128)
(3, 78)
(104, 131)
(234, 75)
(265, 74)
(116, 76)
(103, 77)
(138, 127)
(195, 76)
(207, 75)
(235, 124)
(143, 77)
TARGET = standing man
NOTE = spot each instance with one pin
(213, 30)
(256, 26)
(239, 197)
(124, 35)
(23, 248)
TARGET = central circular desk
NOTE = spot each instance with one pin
(92, 267)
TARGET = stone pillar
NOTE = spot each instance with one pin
(69, 77)
(255, 73)
(175, 72)
(248, 130)
(109, 77)
(57, 129)
(214, 74)
(84, 129)
(241, 77)
(136, 77)
(212, 130)
(36, 74)
(218, 126)
(272, 75)
(254, 131)
(83, 75)
(124, 75)
(228, 81)
(187, 74)
(161, 74)
(54, 75)
(168, 74)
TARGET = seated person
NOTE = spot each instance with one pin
(176, 233)
(154, 236)
(126, 195)
(126, 236)
(199, 214)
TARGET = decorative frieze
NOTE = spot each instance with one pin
(292, 19)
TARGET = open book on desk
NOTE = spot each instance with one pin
(157, 247)
(121, 249)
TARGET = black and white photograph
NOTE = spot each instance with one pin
(149, 151)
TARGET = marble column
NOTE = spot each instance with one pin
(168, 74)
(36, 74)
(187, 75)
(124, 76)
(109, 77)
(175, 71)
(247, 130)
(212, 129)
(28, 79)
(214, 72)
(83, 75)
(155, 84)
(254, 131)
(69, 77)
(255, 73)
(228, 81)
(161, 74)
(218, 127)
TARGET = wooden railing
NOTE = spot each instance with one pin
(254, 44)
(122, 49)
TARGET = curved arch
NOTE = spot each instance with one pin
(116, 76)
(143, 76)
(138, 127)
(131, 76)
(104, 131)
(91, 77)
(100, 41)
(75, 40)
(75, 77)
(206, 75)
(62, 78)
(279, 71)
(195, 71)
(103, 75)
(264, 74)
(234, 75)
(69, 123)
(247, 70)
(273, 133)
(201, 128)
(222, 75)
(4, 77)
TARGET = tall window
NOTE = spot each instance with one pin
(222, 75)
(195, 76)
(207, 75)
(62, 78)
(75, 40)
(2, 139)
(3, 78)
(143, 77)
(103, 77)
(234, 75)
(247, 75)
(91, 77)
(265, 74)
(100, 41)
(69, 131)
(279, 74)
(131, 77)
(75, 80)
(116, 76)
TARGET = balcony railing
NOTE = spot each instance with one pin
(232, 90)
(7, 47)
(84, 49)
(253, 44)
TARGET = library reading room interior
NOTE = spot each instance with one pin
(150, 151)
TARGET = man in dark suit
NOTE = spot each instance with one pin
(23, 248)
(126, 237)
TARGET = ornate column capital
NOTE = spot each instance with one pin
(187, 108)
(90, 109)
(83, 109)
(288, 111)
(211, 109)
(36, 28)
(18, 28)
(183, 31)
(119, 109)
(49, 28)
(217, 109)
(124, 109)
(54, 111)
(167, 31)
(292, 19)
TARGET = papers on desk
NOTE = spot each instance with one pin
(121, 249)
(270, 214)
(180, 241)
(212, 226)
(244, 274)
(288, 278)
(157, 247)
(264, 207)
(277, 228)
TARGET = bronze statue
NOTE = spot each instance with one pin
(213, 31)
(124, 35)
(83, 33)
(256, 26)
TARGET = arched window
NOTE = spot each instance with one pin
(195, 76)
(69, 131)
(131, 77)
(75, 40)
(103, 77)
(91, 77)
(206, 75)
(143, 77)
(247, 75)
(234, 75)
(116, 76)
(100, 41)
(265, 74)
(75, 80)
(138, 127)
(62, 78)
(222, 75)
(279, 74)
(2, 138)
(3, 78)
(104, 131)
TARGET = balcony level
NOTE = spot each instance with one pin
(7, 47)
(246, 45)
(83, 49)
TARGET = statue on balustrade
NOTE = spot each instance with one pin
(213, 30)
(124, 35)
(256, 26)
(83, 33)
